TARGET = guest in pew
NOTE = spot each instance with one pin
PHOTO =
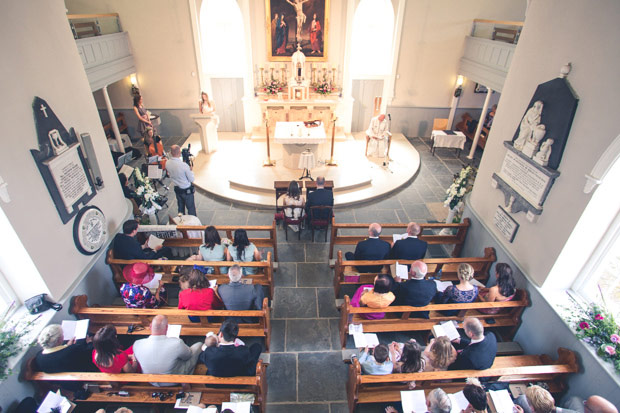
(135, 294)
(372, 248)
(377, 363)
(463, 292)
(228, 360)
(158, 354)
(410, 248)
(476, 396)
(417, 291)
(374, 296)
(243, 251)
(503, 290)
(537, 400)
(293, 198)
(478, 350)
(437, 401)
(407, 359)
(184, 272)
(593, 404)
(126, 247)
(109, 356)
(439, 354)
(199, 296)
(211, 250)
(237, 296)
(320, 197)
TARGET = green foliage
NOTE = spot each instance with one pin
(11, 343)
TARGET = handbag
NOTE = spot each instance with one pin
(39, 303)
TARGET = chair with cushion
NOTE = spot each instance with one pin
(320, 217)
(440, 124)
(290, 220)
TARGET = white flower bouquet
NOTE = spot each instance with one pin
(462, 185)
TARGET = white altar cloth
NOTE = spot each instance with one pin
(443, 140)
(295, 138)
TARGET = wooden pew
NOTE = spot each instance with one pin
(122, 318)
(447, 266)
(193, 243)
(264, 274)
(515, 369)
(506, 322)
(140, 390)
(433, 239)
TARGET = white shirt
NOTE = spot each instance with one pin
(378, 129)
(477, 340)
(180, 173)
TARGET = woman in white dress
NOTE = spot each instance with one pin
(207, 107)
(293, 198)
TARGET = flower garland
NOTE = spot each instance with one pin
(323, 88)
(595, 325)
(274, 87)
(462, 185)
(148, 197)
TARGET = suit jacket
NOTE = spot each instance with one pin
(478, 356)
(228, 361)
(408, 249)
(237, 296)
(417, 293)
(371, 249)
(128, 248)
(320, 197)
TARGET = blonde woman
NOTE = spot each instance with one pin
(439, 354)
(207, 107)
(463, 292)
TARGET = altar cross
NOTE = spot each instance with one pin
(44, 110)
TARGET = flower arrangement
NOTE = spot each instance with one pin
(274, 87)
(595, 325)
(462, 185)
(322, 88)
(11, 340)
(149, 198)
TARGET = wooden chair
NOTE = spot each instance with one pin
(320, 216)
(292, 221)
(440, 124)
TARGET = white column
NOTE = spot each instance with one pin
(345, 109)
(480, 124)
(117, 133)
(453, 106)
(389, 82)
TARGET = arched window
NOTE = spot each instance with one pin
(222, 38)
(371, 41)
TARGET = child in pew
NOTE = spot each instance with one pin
(377, 363)
(407, 359)
(211, 340)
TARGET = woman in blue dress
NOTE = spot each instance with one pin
(463, 292)
(243, 251)
(212, 249)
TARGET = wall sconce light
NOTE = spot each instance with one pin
(459, 86)
(459, 80)
(135, 91)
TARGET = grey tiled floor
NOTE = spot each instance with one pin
(306, 373)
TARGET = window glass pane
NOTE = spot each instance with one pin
(222, 38)
(371, 43)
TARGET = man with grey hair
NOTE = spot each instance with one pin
(410, 247)
(478, 350)
(416, 291)
(237, 296)
(372, 248)
(438, 402)
(159, 354)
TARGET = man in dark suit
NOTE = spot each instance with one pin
(417, 291)
(478, 350)
(410, 248)
(228, 360)
(237, 296)
(371, 248)
(126, 247)
(320, 197)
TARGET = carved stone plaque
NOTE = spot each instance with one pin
(525, 178)
(504, 223)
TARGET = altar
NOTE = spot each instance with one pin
(295, 137)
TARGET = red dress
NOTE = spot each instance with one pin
(202, 299)
(119, 362)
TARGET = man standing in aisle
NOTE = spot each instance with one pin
(183, 178)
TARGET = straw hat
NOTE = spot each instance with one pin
(138, 273)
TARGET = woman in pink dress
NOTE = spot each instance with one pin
(504, 290)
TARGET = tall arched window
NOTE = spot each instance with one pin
(371, 41)
(222, 38)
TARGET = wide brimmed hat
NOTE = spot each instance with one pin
(138, 273)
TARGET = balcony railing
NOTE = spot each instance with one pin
(499, 30)
(90, 25)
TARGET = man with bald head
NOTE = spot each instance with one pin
(183, 178)
(158, 354)
(372, 248)
(416, 291)
(478, 350)
(409, 248)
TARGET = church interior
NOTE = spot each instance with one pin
(456, 83)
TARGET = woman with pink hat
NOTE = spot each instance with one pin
(135, 294)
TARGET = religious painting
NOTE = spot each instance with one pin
(293, 22)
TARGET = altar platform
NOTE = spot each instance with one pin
(235, 171)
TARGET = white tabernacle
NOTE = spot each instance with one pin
(295, 138)
(208, 131)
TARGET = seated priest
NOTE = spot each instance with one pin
(377, 136)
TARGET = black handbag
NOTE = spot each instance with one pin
(39, 303)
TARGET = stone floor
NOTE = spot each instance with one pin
(306, 373)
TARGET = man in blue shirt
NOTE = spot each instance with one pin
(183, 178)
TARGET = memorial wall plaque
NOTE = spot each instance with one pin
(504, 223)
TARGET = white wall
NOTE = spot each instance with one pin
(556, 32)
(43, 61)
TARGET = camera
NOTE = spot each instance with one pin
(188, 158)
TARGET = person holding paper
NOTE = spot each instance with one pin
(477, 350)
(137, 295)
(159, 354)
(372, 248)
(439, 354)
(417, 291)
(436, 402)
(212, 249)
(410, 247)
(126, 247)
(237, 296)
(374, 296)
(463, 292)
(503, 290)
(537, 400)
(199, 296)
(377, 363)
(409, 360)
(154, 147)
(476, 396)
(243, 251)
(109, 356)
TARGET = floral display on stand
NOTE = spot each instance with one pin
(462, 185)
(323, 88)
(150, 201)
(12, 339)
(596, 326)
(274, 87)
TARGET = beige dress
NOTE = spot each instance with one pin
(294, 213)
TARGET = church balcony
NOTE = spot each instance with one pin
(104, 48)
(488, 52)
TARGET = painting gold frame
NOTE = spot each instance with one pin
(321, 7)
